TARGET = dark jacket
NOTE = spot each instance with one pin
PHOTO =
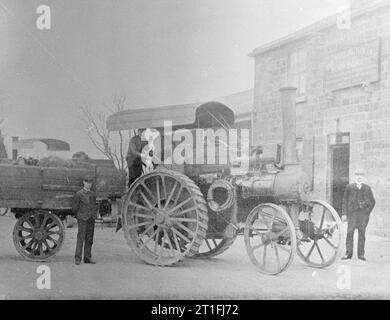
(351, 203)
(84, 205)
(134, 151)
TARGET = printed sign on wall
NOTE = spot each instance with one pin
(353, 66)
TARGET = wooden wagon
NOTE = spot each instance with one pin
(41, 198)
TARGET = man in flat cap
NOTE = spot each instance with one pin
(358, 202)
(85, 209)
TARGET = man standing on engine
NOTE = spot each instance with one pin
(133, 158)
(358, 202)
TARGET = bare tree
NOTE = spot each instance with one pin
(95, 126)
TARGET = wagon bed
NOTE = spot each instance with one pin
(53, 188)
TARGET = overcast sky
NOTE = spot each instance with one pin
(154, 52)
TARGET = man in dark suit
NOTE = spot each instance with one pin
(133, 158)
(85, 209)
(358, 202)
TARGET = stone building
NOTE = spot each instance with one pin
(341, 67)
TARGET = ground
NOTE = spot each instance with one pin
(120, 274)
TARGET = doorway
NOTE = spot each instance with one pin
(339, 163)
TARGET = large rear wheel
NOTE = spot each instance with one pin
(164, 217)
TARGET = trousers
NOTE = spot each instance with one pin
(357, 221)
(135, 171)
(85, 233)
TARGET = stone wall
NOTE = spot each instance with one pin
(362, 110)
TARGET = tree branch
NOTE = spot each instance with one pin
(95, 126)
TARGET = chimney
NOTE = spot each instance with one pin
(289, 148)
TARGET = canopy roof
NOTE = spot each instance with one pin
(207, 115)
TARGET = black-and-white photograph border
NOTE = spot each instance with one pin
(194, 150)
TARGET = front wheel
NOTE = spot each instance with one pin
(270, 238)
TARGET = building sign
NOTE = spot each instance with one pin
(353, 66)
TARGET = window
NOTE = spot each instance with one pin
(298, 70)
(338, 138)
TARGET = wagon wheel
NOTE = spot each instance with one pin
(4, 211)
(38, 235)
(320, 226)
(270, 238)
(221, 231)
(164, 217)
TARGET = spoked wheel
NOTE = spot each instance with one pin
(320, 226)
(164, 217)
(270, 238)
(38, 235)
(222, 226)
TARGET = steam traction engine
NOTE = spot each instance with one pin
(180, 211)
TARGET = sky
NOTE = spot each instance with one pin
(152, 52)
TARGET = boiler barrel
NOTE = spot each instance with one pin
(290, 184)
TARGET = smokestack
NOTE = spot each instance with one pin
(288, 96)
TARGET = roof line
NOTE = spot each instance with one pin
(188, 105)
(312, 28)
